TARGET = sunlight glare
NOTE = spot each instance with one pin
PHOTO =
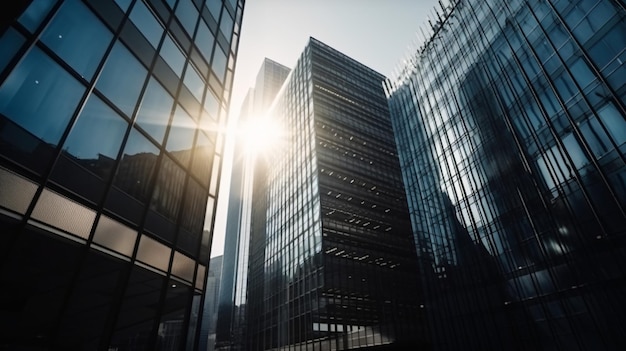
(261, 135)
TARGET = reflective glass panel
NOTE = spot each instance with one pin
(136, 166)
(194, 83)
(187, 15)
(101, 147)
(168, 189)
(122, 78)
(203, 158)
(40, 96)
(226, 26)
(10, 42)
(180, 138)
(219, 63)
(146, 23)
(205, 40)
(172, 55)
(211, 104)
(123, 4)
(214, 7)
(35, 13)
(155, 109)
(75, 26)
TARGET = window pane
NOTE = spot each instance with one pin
(123, 4)
(136, 166)
(155, 110)
(40, 96)
(203, 158)
(77, 27)
(211, 104)
(219, 63)
(194, 83)
(32, 17)
(10, 42)
(214, 7)
(226, 26)
(122, 78)
(180, 138)
(146, 23)
(173, 56)
(99, 148)
(168, 189)
(187, 15)
(205, 40)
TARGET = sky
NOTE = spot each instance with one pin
(377, 33)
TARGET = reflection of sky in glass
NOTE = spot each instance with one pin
(154, 112)
(137, 144)
(146, 23)
(181, 131)
(40, 96)
(93, 37)
(98, 130)
(172, 55)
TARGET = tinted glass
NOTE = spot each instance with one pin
(136, 166)
(214, 7)
(122, 78)
(204, 40)
(38, 9)
(219, 63)
(123, 4)
(211, 104)
(203, 158)
(194, 83)
(173, 56)
(10, 42)
(168, 189)
(180, 138)
(75, 26)
(146, 23)
(226, 25)
(40, 96)
(101, 146)
(187, 15)
(155, 109)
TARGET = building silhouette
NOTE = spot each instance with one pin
(332, 263)
(109, 164)
(511, 131)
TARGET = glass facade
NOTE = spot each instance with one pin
(510, 120)
(332, 265)
(109, 163)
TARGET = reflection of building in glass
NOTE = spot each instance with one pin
(510, 121)
(207, 336)
(233, 292)
(332, 264)
(109, 163)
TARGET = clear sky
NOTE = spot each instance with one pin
(377, 33)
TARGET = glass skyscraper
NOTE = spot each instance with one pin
(110, 152)
(332, 264)
(511, 130)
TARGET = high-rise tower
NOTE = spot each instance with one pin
(109, 163)
(511, 127)
(332, 263)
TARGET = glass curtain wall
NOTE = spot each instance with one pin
(109, 163)
(510, 121)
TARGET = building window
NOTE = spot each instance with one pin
(122, 78)
(40, 96)
(75, 26)
(146, 23)
(155, 110)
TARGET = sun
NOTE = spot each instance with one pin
(261, 135)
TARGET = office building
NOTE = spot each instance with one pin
(109, 163)
(233, 294)
(511, 131)
(332, 264)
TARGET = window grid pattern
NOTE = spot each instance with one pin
(146, 170)
(509, 127)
